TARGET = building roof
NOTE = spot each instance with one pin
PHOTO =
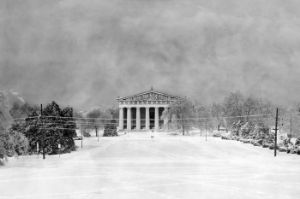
(150, 92)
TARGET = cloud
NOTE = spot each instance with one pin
(86, 53)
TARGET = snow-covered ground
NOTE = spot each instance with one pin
(136, 166)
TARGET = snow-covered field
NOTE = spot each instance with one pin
(136, 166)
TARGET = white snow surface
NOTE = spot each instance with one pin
(136, 166)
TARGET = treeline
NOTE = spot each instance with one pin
(97, 119)
(234, 111)
(237, 108)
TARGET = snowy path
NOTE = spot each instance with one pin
(135, 166)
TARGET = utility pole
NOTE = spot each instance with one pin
(276, 125)
(291, 124)
(43, 134)
(81, 141)
(37, 149)
(59, 147)
(206, 130)
(182, 124)
(97, 133)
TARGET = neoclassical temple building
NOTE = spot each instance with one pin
(143, 111)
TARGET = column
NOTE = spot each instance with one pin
(156, 121)
(129, 118)
(166, 118)
(121, 118)
(138, 118)
(147, 127)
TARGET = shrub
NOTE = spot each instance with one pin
(2, 146)
(236, 128)
(20, 142)
(110, 129)
(85, 133)
(246, 129)
(260, 131)
(11, 143)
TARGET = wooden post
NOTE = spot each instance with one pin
(43, 134)
(206, 130)
(182, 122)
(37, 148)
(59, 146)
(96, 131)
(275, 141)
(291, 124)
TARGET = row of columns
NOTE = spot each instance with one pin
(138, 118)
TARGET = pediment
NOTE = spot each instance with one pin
(150, 96)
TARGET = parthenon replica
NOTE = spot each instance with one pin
(143, 111)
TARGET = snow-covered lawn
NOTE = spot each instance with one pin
(136, 166)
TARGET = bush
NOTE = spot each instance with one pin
(236, 127)
(20, 143)
(86, 134)
(110, 129)
(13, 143)
(2, 147)
(260, 132)
(246, 129)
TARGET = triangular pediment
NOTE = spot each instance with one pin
(151, 95)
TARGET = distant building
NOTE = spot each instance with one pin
(143, 111)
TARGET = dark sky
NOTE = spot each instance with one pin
(86, 53)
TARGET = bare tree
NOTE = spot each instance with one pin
(183, 111)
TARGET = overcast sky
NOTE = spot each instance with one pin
(87, 53)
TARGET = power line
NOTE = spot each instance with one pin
(192, 118)
(105, 118)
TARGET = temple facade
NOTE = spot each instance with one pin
(143, 111)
